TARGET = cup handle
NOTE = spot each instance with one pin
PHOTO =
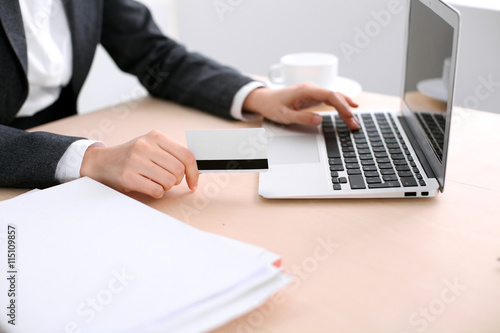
(275, 74)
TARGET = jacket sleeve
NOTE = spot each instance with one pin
(29, 160)
(165, 68)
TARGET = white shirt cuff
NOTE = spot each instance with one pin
(238, 100)
(70, 163)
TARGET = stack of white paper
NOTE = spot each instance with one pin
(82, 257)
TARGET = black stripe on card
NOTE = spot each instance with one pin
(232, 164)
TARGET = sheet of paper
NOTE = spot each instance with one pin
(106, 263)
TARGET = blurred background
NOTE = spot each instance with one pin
(366, 35)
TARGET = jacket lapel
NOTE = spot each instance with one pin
(12, 23)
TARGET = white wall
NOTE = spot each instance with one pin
(367, 35)
(106, 84)
(478, 81)
(252, 34)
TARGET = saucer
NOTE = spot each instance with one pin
(433, 88)
(342, 85)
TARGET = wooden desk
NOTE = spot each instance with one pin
(403, 265)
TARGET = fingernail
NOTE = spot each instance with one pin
(316, 120)
(194, 188)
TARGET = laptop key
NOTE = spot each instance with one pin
(367, 162)
(387, 172)
(383, 160)
(379, 149)
(384, 185)
(397, 156)
(364, 151)
(337, 187)
(373, 180)
(357, 182)
(351, 160)
(369, 168)
(343, 180)
(382, 155)
(385, 166)
(403, 167)
(354, 172)
(371, 174)
(405, 174)
(332, 146)
(365, 157)
(359, 135)
(408, 181)
(389, 178)
(334, 166)
(395, 151)
(349, 154)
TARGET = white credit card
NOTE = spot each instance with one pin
(229, 150)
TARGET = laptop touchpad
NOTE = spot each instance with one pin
(293, 149)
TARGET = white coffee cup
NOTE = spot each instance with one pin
(295, 68)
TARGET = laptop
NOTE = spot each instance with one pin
(396, 153)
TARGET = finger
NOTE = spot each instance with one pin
(159, 175)
(186, 157)
(300, 105)
(336, 100)
(191, 170)
(141, 184)
(288, 116)
(340, 103)
(349, 100)
(168, 164)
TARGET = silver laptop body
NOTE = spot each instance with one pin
(399, 153)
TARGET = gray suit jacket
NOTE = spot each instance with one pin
(126, 30)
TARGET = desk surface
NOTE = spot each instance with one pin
(384, 265)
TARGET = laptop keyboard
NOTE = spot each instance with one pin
(373, 157)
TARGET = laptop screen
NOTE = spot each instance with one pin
(428, 81)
